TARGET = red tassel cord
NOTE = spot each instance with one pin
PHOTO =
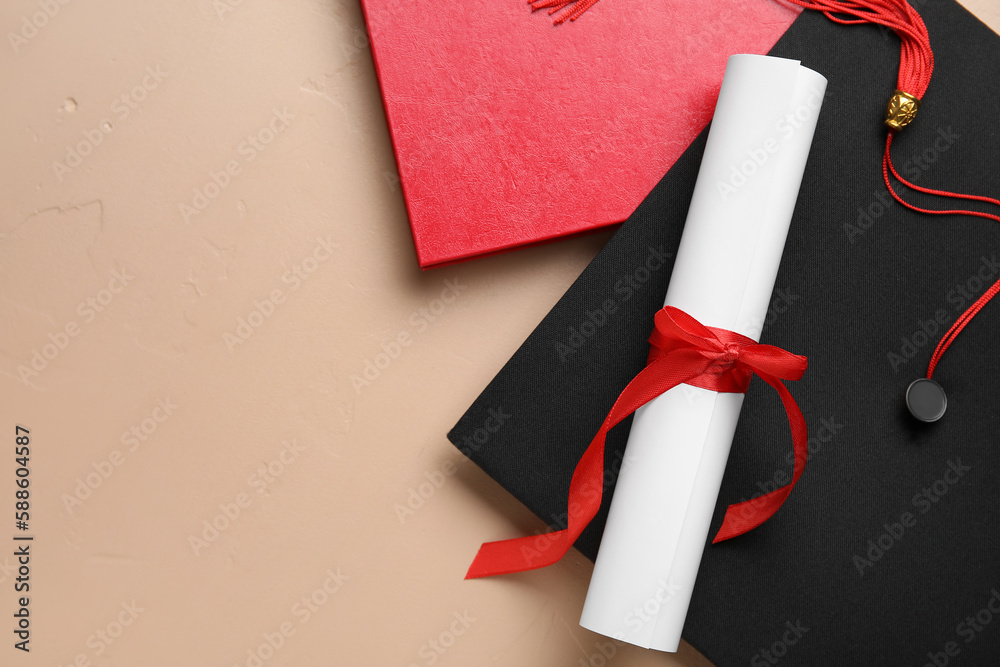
(971, 311)
(916, 65)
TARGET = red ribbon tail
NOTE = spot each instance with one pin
(529, 553)
(744, 517)
(586, 489)
(515, 555)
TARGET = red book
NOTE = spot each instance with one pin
(511, 131)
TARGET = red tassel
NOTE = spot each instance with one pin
(916, 59)
(579, 7)
(916, 65)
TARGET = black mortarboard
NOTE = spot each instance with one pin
(888, 550)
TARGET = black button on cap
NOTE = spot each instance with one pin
(925, 400)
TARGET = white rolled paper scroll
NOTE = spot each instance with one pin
(723, 276)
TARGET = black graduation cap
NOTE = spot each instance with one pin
(888, 550)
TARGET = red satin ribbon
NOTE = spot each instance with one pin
(684, 351)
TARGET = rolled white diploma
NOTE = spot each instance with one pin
(723, 276)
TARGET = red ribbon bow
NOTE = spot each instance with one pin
(684, 351)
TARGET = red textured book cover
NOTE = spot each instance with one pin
(511, 131)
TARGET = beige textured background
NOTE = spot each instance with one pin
(202, 239)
